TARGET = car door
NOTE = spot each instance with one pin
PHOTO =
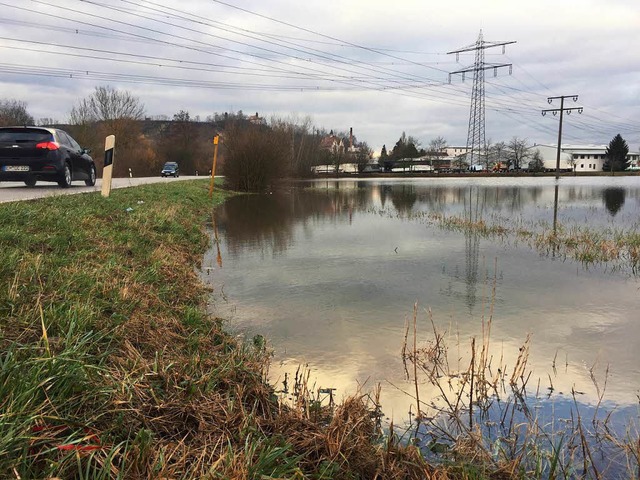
(83, 162)
(65, 143)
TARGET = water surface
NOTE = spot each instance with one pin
(329, 272)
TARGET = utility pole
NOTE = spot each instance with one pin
(476, 140)
(555, 112)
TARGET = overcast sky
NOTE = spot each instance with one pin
(379, 67)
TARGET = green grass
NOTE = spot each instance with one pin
(76, 271)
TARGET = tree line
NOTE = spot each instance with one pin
(252, 154)
(516, 153)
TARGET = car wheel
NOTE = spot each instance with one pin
(91, 181)
(65, 180)
(30, 182)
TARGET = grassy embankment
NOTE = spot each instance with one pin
(110, 367)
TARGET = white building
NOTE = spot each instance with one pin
(549, 154)
(455, 151)
(581, 158)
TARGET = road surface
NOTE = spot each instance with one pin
(16, 191)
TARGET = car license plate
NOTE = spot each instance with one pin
(15, 168)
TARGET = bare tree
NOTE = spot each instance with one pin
(112, 112)
(537, 163)
(499, 153)
(460, 162)
(47, 121)
(487, 159)
(107, 104)
(518, 152)
(14, 112)
(436, 148)
(363, 155)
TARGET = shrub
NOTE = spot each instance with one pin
(255, 156)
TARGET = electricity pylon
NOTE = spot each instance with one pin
(476, 138)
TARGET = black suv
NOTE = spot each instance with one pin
(170, 169)
(30, 154)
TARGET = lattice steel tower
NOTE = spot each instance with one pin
(476, 138)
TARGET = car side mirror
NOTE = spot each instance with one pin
(86, 150)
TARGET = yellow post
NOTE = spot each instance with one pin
(213, 169)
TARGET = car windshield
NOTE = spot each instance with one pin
(170, 167)
(21, 135)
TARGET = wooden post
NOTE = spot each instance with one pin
(107, 171)
(213, 169)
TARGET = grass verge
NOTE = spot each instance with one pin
(110, 367)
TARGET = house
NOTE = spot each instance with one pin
(332, 143)
(256, 119)
(455, 151)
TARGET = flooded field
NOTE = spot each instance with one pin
(329, 272)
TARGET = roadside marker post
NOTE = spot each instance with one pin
(213, 169)
(107, 172)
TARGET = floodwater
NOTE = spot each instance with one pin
(329, 271)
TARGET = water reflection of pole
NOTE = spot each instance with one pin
(472, 246)
(555, 219)
(555, 211)
(217, 241)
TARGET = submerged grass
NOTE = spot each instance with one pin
(487, 418)
(111, 368)
(617, 248)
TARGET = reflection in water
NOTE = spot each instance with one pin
(555, 209)
(267, 222)
(216, 240)
(314, 269)
(613, 199)
(403, 197)
(474, 209)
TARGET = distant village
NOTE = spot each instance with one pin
(446, 158)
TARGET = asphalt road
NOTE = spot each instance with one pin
(16, 191)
